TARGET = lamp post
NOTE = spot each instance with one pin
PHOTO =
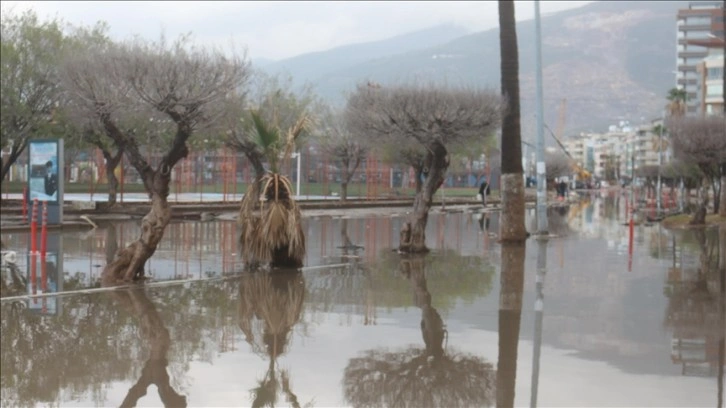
(296, 155)
(660, 163)
(541, 171)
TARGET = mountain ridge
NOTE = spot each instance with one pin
(611, 61)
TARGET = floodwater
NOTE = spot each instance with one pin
(603, 324)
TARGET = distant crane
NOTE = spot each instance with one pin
(560, 127)
(582, 174)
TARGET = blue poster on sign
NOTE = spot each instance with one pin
(44, 171)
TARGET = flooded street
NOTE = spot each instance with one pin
(360, 325)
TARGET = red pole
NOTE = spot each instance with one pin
(25, 204)
(34, 274)
(630, 243)
(34, 228)
(44, 230)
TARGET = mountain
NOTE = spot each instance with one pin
(312, 66)
(611, 61)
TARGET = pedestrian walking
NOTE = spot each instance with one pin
(484, 192)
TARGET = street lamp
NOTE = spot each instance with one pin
(541, 171)
(660, 163)
(296, 155)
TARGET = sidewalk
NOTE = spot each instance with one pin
(173, 197)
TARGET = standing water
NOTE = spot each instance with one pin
(361, 325)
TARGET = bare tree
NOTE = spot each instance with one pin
(185, 85)
(650, 174)
(334, 139)
(558, 165)
(425, 122)
(512, 190)
(701, 141)
(30, 53)
(432, 375)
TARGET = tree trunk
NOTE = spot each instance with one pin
(716, 187)
(437, 156)
(722, 201)
(343, 191)
(418, 182)
(512, 226)
(256, 161)
(112, 161)
(345, 176)
(699, 217)
(129, 263)
(157, 335)
(510, 315)
(112, 185)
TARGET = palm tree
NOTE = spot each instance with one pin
(269, 217)
(678, 98)
(512, 190)
(270, 305)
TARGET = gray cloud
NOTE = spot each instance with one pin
(280, 29)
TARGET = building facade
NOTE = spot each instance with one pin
(700, 21)
(710, 78)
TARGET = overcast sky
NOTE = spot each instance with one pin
(280, 29)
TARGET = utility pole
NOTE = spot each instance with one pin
(541, 171)
(660, 163)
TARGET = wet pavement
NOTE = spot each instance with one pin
(604, 324)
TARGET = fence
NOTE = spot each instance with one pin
(226, 174)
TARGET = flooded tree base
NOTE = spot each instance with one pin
(412, 240)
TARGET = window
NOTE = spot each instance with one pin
(715, 73)
(698, 34)
(714, 90)
(698, 20)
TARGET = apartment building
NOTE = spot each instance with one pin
(622, 151)
(709, 94)
(700, 21)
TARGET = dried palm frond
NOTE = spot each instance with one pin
(270, 221)
(302, 124)
(270, 305)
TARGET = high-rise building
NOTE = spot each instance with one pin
(700, 21)
(710, 70)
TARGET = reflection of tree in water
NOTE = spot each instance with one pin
(415, 377)
(71, 351)
(92, 342)
(695, 311)
(12, 282)
(156, 335)
(269, 306)
(473, 278)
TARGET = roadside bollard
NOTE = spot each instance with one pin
(34, 228)
(44, 230)
(34, 275)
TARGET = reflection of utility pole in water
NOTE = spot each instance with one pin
(722, 311)
(510, 315)
(631, 228)
(538, 314)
